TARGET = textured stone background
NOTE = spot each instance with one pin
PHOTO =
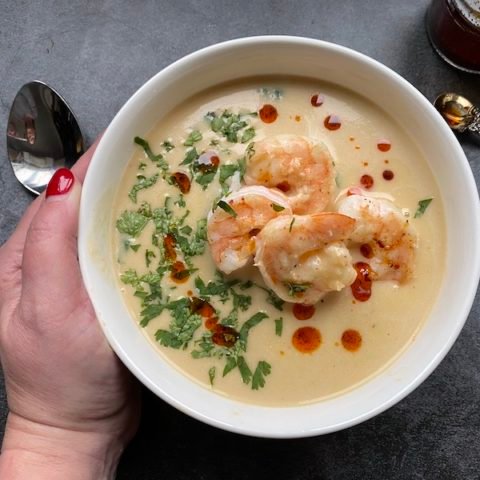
(97, 53)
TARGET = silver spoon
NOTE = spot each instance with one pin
(460, 114)
(42, 135)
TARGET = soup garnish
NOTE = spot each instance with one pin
(229, 233)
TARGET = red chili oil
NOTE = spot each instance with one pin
(317, 100)
(384, 145)
(208, 161)
(169, 247)
(268, 113)
(332, 122)
(224, 336)
(182, 181)
(179, 273)
(388, 175)
(366, 181)
(307, 339)
(303, 312)
(362, 286)
(351, 340)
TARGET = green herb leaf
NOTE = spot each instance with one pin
(291, 224)
(263, 369)
(247, 135)
(422, 207)
(168, 339)
(131, 223)
(227, 208)
(156, 159)
(279, 326)
(295, 288)
(135, 247)
(230, 125)
(191, 156)
(274, 299)
(149, 313)
(229, 366)
(211, 375)
(182, 327)
(204, 179)
(249, 324)
(149, 255)
(142, 183)
(245, 371)
(277, 208)
(168, 145)
(192, 138)
(180, 201)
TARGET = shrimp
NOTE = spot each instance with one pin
(302, 257)
(385, 234)
(293, 164)
(237, 220)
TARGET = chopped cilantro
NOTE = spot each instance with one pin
(295, 288)
(250, 323)
(131, 223)
(279, 326)
(191, 155)
(271, 93)
(149, 255)
(247, 135)
(135, 247)
(156, 159)
(227, 208)
(211, 375)
(168, 145)
(422, 207)
(277, 208)
(142, 183)
(258, 380)
(182, 327)
(150, 312)
(227, 171)
(229, 366)
(245, 371)
(194, 137)
(291, 224)
(204, 179)
(180, 201)
(230, 125)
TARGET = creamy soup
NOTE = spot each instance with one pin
(231, 332)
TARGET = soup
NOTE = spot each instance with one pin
(240, 332)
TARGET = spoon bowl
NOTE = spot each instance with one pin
(458, 111)
(43, 135)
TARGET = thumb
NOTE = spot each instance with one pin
(52, 287)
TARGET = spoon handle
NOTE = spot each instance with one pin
(474, 125)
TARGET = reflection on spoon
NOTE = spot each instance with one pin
(42, 135)
(460, 114)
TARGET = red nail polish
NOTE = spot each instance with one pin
(60, 183)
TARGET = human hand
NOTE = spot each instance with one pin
(73, 406)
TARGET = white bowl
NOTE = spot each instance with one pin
(316, 59)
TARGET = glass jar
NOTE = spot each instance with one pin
(454, 30)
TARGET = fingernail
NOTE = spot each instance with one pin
(60, 184)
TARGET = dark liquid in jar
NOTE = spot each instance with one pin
(454, 29)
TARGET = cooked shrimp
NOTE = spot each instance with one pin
(387, 238)
(301, 169)
(231, 230)
(302, 257)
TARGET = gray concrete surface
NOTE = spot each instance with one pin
(97, 53)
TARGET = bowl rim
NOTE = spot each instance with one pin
(470, 187)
